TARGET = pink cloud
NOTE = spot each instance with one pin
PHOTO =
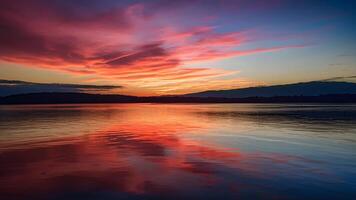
(124, 43)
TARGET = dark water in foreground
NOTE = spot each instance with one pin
(176, 151)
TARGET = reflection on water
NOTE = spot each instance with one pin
(177, 151)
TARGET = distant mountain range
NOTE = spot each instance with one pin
(310, 92)
(63, 98)
(314, 88)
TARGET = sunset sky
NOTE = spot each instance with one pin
(175, 47)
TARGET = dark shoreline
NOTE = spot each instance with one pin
(75, 98)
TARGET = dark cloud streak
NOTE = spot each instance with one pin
(146, 51)
(10, 87)
(340, 78)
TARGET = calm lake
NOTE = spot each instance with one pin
(178, 151)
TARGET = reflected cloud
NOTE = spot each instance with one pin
(123, 161)
(144, 151)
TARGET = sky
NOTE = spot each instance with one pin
(160, 47)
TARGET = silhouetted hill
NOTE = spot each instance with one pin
(323, 92)
(314, 88)
(57, 98)
(62, 98)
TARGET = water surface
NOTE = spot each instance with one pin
(178, 151)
